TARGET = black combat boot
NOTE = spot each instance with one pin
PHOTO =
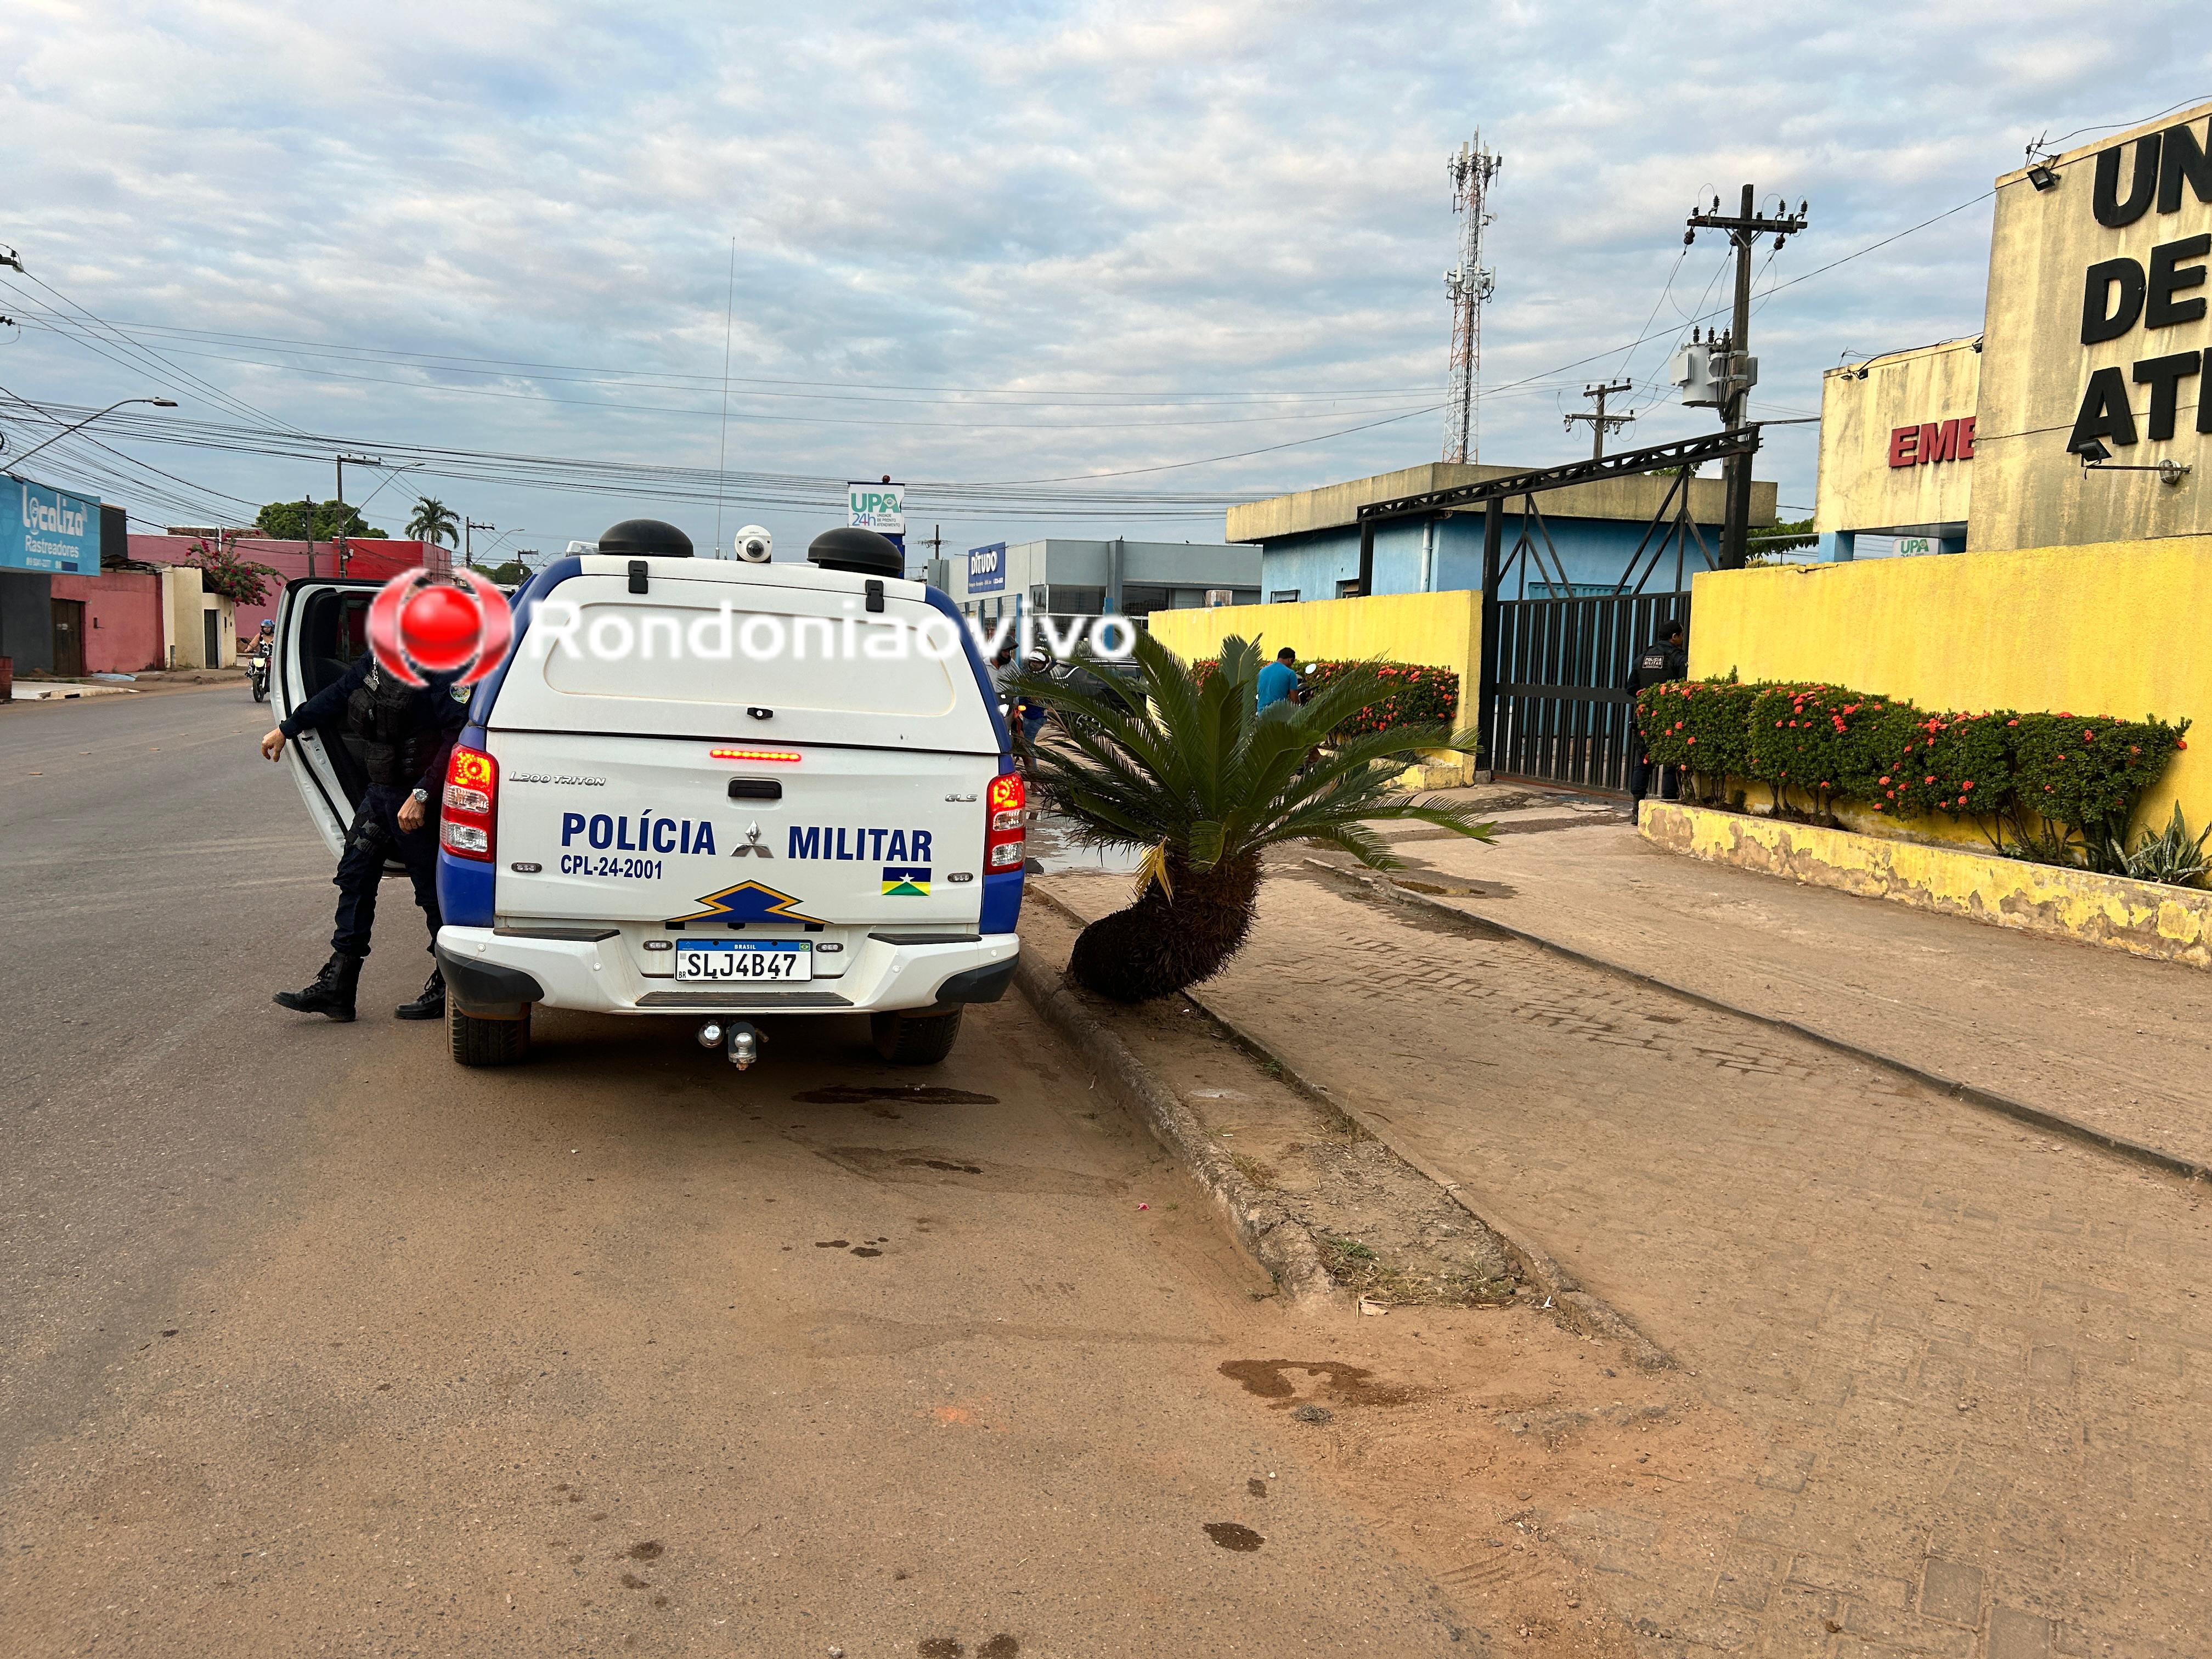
(331, 993)
(431, 1004)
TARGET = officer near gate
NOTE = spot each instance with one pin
(402, 735)
(1662, 661)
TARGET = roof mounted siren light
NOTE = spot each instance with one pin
(861, 551)
(651, 539)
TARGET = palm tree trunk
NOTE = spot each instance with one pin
(1158, 945)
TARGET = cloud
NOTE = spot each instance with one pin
(1093, 204)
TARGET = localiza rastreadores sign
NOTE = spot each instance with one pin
(42, 528)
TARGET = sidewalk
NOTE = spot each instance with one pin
(2105, 1039)
(1974, 1361)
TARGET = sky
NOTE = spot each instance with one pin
(1130, 262)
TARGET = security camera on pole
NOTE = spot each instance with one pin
(1721, 373)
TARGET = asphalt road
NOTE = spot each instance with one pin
(312, 1342)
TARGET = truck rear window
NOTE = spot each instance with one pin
(807, 658)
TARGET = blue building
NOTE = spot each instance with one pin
(1598, 537)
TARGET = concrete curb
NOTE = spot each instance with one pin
(1271, 1233)
(1483, 926)
(1564, 1293)
(1264, 1226)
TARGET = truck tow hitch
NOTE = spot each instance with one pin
(742, 1039)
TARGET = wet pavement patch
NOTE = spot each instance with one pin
(942, 1163)
(1232, 1537)
(650, 1550)
(1348, 1385)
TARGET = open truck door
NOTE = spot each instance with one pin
(322, 626)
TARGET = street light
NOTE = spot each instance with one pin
(158, 403)
(344, 550)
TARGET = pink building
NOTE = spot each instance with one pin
(370, 557)
(120, 626)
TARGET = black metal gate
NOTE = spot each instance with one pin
(1562, 708)
(1553, 706)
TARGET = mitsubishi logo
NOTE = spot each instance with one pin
(751, 844)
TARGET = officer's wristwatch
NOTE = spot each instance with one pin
(421, 796)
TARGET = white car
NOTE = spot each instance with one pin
(662, 830)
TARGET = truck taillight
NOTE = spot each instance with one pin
(1002, 824)
(471, 797)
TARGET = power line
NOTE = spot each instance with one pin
(670, 379)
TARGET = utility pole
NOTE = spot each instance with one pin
(935, 544)
(345, 549)
(1602, 423)
(1469, 287)
(307, 528)
(467, 525)
(1744, 229)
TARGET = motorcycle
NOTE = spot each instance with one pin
(257, 675)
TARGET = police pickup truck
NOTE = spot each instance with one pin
(711, 790)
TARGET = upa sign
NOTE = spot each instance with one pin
(47, 529)
(987, 568)
(877, 506)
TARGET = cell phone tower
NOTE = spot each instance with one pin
(1469, 286)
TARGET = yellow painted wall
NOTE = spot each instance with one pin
(2109, 629)
(1444, 629)
(183, 598)
(2174, 923)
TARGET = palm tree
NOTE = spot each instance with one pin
(1205, 782)
(433, 521)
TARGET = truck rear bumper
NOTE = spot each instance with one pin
(494, 975)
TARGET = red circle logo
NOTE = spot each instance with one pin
(419, 624)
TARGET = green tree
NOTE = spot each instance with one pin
(1204, 784)
(288, 521)
(513, 574)
(433, 521)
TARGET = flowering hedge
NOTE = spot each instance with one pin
(223, 571)
(1416, 694)
(2051, 780)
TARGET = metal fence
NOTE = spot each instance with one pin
(1562, 710)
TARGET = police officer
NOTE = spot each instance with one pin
(403, 736)
(1662, 661)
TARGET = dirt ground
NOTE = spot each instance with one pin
(1961, 1364)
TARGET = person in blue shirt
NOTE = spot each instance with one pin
(1279, 678)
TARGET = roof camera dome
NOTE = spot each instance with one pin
(651, 538)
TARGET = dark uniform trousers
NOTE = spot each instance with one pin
(375, 836)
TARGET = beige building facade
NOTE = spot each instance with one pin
(1899, 441)
(2094, 342)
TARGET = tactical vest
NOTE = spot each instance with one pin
(383, 733)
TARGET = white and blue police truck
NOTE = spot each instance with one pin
(709, 790)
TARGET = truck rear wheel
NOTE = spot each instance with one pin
(487, 1042)
(914, 1039)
